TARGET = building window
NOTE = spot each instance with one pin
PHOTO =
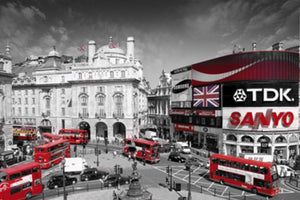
(1, 66)
(33, 91)
(19, 100)
(119, 105)
(20, 111)
(62, 91)
(63, 111)
(123, 74)
(62, 78)
(100, 100)
(90, 75)
(26, 100)
(33, 111)
(33, 101)
(111, 74)
(13, 111)
(100, 89)
(80, 75)
(48, 103)
(26, 92)
(83, 100)
(85, 112)
(84, 89)
(26, 111)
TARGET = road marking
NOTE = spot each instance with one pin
(224, 191)
(200, 178)
(210, 186)
(185, 177)
(178, 171)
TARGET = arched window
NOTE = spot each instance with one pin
(247, 139)
(231, 138)
(280, 139)
(80, 75)
(111, 74)
(264, 139)
(100, 100)
(90, 75)
(48, 103)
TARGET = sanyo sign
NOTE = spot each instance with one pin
(261, 118)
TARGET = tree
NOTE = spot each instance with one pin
(297, 163)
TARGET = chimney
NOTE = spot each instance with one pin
(254, 46)
(130, 49)
(280, 46)
(91, 51)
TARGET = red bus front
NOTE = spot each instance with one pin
(21, 181)
(51, 154)
(256, 176)
(75, 136)
(145, 149)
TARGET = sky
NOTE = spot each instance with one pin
(168, 33)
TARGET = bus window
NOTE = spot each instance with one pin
(36, 169)
(222, 162)
(26, 185)
(3, 177)
(215, 160)
(14, 176)
(236, 165)
(26, 172)
(15, 190)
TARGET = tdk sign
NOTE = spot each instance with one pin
(254, 94)
(268, 94)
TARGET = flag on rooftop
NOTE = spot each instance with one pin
(81, 48)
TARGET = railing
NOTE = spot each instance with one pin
(100, 115)
(118, 115)
(83, 115)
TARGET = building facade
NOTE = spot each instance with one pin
(5, 98)
(104, 92)
(159, 106)
(244, 103)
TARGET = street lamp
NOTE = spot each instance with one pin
(64, 178)
(188, 166)
(97, 151)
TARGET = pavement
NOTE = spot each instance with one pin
(157, 194)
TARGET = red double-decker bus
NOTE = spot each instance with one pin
(52, 153)
(75, 136)
(21, 181)
(256, 176)
(49, 137)
(24, 133)
(145, 149)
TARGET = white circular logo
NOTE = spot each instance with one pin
(239, 95)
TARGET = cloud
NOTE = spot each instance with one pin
(17, 26)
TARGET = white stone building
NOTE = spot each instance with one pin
(104, 93)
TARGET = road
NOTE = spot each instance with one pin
(154, 175)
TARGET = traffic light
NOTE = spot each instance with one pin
(116, 169)
(120, 170)
(168, 169)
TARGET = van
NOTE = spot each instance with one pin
(183, 147)
(284, 171)
(75, 165)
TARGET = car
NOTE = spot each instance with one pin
(92, 174)
(284, 170)
(56, 181)
(113, 179)
(175, 156)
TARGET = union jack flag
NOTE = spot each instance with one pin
(206, 96)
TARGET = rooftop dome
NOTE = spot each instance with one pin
(53, 52)
(111, 48)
